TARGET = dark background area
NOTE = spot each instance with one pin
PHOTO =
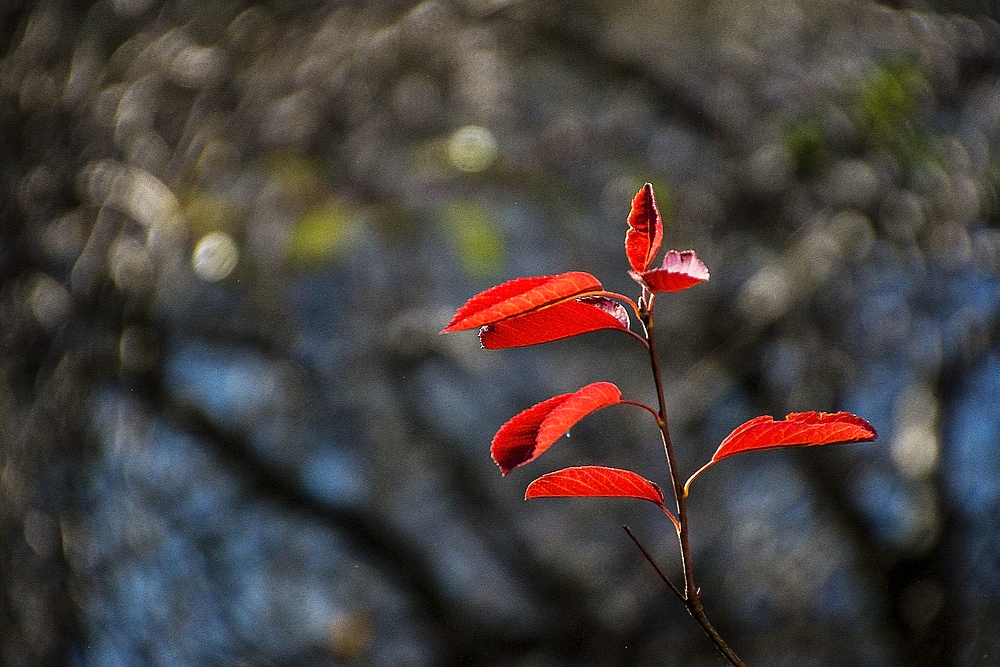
(230, 233)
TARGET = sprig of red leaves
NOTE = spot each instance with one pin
(520, 296)
(799, 429)
(528, 434)
(527, 311)
(595, 482)
(645, 230)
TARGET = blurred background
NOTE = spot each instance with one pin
(230, 232)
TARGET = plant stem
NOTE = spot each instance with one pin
(692, 595)
(649, 558)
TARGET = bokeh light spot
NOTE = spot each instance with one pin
(767, 295)
(914, 446)
(215, 256)
(472, 148)
(196, 67)
(50, 302)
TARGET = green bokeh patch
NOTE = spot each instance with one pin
(481, 249)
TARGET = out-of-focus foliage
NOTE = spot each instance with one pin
(229, 235)
(475, 236)
(887, 109)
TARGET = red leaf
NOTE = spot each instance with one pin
(519, 296)
(680, 270)
(594, 482)
(562, 320)
(799, 429)
(645, 230)
(527, 435)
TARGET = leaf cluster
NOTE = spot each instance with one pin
(528, 311)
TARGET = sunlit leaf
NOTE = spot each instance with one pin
(594, 482)
(528, 434)
(645, 230)
(519, 296)
(799, 429)
(569, 318)
(679, 271)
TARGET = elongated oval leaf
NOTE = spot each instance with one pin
(594, 482)
(562, 320)
(679, 271)
(645, 230)
(519, 296)
(799, 429)
(528, 434)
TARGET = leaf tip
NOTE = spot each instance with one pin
(645, 229)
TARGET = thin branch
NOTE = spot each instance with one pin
(676, 591)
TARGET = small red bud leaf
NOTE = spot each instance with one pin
(680, 270)
(519, 296)
(562, 320)
(528, 434)
(594, 482)
(645, 230)
(799, 429)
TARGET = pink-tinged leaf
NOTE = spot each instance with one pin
(562, 320)
(679, 271)
(799, 429)
(645, 230)
(528, 434)
(611, 307)
(519, 296)
(594, 482)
